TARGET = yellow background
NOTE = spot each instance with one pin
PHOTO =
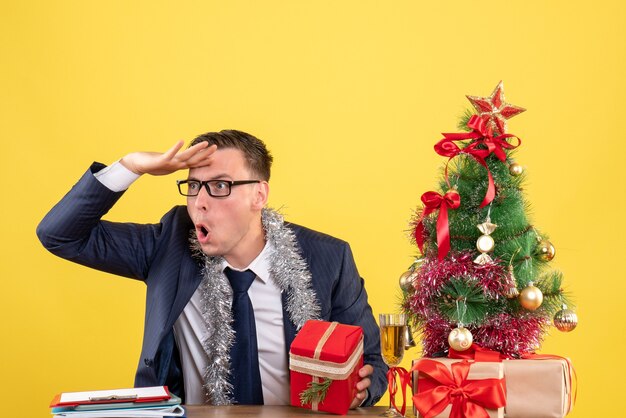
(350, 96)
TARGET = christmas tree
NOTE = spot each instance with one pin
(483, 271)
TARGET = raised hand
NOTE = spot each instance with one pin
(159, 164)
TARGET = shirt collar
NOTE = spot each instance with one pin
(260, 265)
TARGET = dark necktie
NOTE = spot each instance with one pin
(244, 355)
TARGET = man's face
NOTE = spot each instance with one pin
(229, 226)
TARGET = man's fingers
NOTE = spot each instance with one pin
(366, 370)
(173, 159)
(170, 153)
(192, 151)
(358, 399)
(202, 153)
(201, 158)
(363, 384)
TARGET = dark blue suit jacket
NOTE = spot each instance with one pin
(160, 255)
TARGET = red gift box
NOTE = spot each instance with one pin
(326, 352)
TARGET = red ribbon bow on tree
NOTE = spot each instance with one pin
(433, 201)
(482, 135)
(469, 398)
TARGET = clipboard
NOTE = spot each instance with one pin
(99, 397)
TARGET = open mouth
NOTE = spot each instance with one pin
(202, 232)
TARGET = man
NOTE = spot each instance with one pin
(202, 333)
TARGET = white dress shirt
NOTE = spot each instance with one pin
(190, 330)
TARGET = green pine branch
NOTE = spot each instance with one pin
(463, 301)
(316, 391)
(462, 125)
(554, 297)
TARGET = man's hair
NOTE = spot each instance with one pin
(258, 158)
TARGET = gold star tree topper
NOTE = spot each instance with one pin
(494, 110)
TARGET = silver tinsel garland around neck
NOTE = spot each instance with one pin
(290, 274)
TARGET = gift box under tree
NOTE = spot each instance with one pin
(324, 361)
(540, 386)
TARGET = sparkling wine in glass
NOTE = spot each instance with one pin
(392, 342)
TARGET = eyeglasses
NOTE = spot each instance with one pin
(215, 188)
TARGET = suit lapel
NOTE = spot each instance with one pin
(189, 279)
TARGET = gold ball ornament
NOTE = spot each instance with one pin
(485, 244)
(565, 320)
(460, 339)
(531, 297)
(546, 250)
(406, 280)
(516, 169)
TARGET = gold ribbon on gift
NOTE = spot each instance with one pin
(325, 369)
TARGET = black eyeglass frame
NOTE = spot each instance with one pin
(205, 183)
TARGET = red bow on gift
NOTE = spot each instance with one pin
(469, 398)
(483, 136)
(433, 201)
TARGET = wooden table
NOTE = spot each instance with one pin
(205, 411)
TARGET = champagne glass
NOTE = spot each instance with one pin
(392, 342)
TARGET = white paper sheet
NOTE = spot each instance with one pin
(149, 392)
